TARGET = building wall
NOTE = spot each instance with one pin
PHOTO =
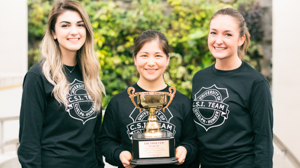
(286, 73)
(13, 41)
(266, 43)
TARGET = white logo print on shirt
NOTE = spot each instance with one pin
(80, 105)
(209, 108)
(140, 120)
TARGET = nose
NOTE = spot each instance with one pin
(219, 39)
(74, 30)
(151, 61)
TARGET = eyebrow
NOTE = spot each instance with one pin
(70, 22)
(225, 30)
(148, 52)
(144, 52)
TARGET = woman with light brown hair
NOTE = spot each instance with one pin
(61, 103)
(232, 102)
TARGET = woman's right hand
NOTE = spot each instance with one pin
(125, 158)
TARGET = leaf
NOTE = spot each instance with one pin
(197, 34)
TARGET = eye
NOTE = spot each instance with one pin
(81, 25)
(144, 55)
(213, 33)
(158, 56)
(64, 25)
(228, 35)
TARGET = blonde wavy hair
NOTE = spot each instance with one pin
(52, 64)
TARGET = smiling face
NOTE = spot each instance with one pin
(70, 32)
(224, 38)
(151, 62)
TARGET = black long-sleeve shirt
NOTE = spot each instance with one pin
(52, 135)
(234, 118)
(122, 119)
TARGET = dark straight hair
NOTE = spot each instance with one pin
(148, 36)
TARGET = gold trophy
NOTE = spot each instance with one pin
(152, 146)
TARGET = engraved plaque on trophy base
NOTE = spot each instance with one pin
(153, 151)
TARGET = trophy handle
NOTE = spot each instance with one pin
(172, 91)
(131, 94)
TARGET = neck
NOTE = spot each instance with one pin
(69, 58)
(228, 64)
(152, 85)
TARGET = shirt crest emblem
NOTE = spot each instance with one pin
(80, 105)
(209, 107)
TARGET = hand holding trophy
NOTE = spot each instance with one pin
(153, 146)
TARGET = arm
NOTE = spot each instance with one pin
(188, 135)
(31, 121)
(262, 121)
(97, 133)
(110, 140)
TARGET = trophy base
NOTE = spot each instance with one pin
(153, 151)
(156, 161)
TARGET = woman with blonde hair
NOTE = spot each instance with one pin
(61, 103)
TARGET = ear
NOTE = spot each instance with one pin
(53, 34)
(241, 40)
(168, 59)
(134, 58)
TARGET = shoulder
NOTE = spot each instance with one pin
(120, 96)
(37, 69)
(35, 79)
(34, 74)
(181, 98)
(203, 72)
(253, 74)
(181, 104)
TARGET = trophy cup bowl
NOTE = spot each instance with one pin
(152, 146)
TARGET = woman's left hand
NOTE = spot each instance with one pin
(180, 155)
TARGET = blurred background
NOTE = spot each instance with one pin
(273, 25)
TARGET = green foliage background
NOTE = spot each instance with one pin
(116, 24)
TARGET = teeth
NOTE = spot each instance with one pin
(74, 39)
(151, 70)
(219, 48)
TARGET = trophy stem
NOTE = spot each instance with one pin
(152, 129)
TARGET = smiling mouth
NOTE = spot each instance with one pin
(151, 70)
(220, 48)
(73, 39)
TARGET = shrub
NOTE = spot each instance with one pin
(116, 24)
